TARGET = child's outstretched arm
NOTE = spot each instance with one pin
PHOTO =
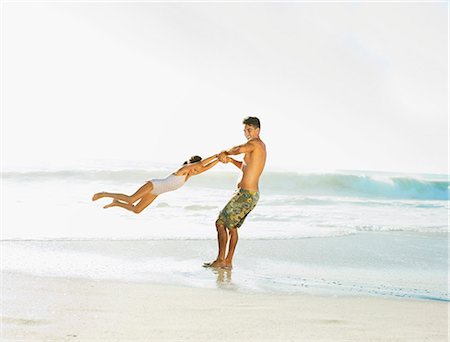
(199, 167)
(206, 164)
(206, 161)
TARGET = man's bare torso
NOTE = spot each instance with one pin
(253, 166)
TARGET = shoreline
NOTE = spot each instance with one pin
(45, 308)
(366, 264)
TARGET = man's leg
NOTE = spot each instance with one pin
(233, 215)
(232, 247)
(222, 239)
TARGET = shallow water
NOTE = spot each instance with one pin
(383, 264)
(374, 234)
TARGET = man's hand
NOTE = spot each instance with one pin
(223, 158)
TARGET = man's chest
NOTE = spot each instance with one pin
(247, 158)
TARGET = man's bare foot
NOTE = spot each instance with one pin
(97, 196)
(228, 265)
(209, 264)
(112, 204)
(218, 264)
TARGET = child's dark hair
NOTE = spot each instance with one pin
(193, 159)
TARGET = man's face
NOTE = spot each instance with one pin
(250, 132)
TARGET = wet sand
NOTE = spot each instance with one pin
(45, 308)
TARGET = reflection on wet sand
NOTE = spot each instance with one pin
(223, 278)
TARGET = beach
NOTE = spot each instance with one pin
(335, 112)
(323, 257)
(49, 308)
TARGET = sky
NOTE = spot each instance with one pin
(355, 85)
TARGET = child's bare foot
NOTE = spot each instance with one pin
(97, 196)
(112, 204)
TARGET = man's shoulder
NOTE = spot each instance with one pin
(257, 142)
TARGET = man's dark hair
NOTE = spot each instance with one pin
(193, 159)
(253, 121)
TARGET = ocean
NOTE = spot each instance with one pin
(335, 233)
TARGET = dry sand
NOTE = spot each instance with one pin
(44, 309)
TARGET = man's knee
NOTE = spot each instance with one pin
(233, 231)
(220, 226)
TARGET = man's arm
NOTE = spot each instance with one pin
(235, 162)
(247, 147)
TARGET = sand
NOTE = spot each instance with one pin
(46, 309)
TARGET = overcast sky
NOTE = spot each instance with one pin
(337, 86)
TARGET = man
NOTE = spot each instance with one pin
(246, 196)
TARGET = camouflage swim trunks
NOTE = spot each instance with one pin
(237, 209)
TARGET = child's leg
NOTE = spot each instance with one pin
(145, 201)
(142, 191)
